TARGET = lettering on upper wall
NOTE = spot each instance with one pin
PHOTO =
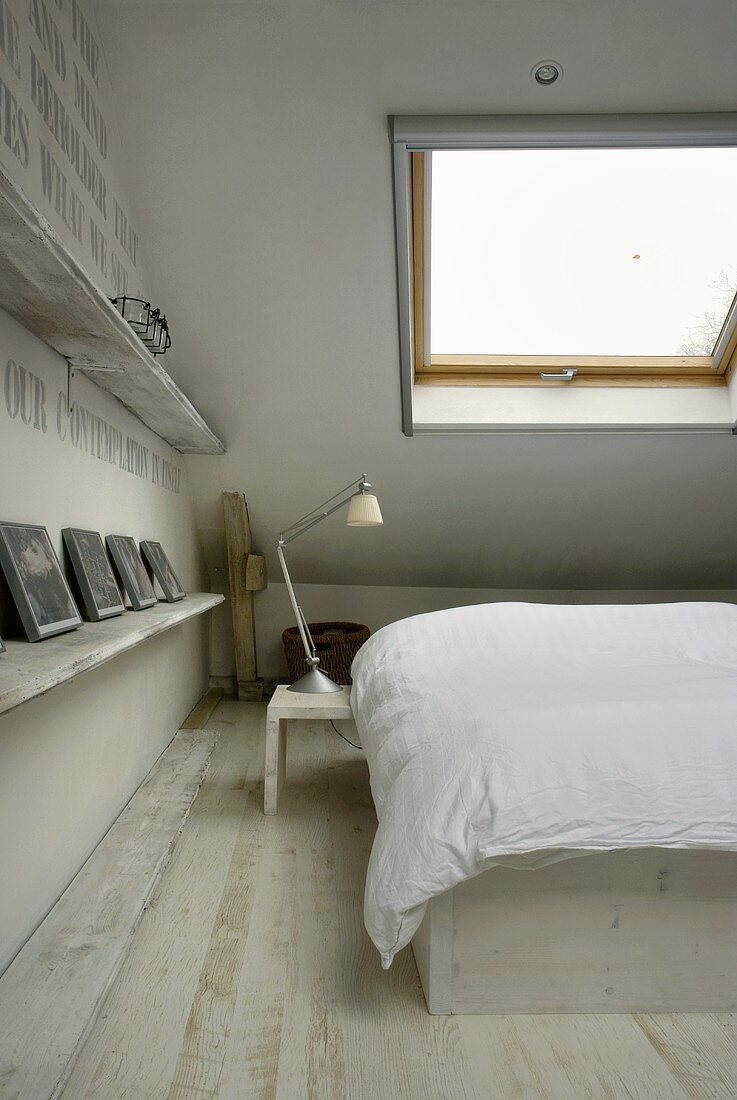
(14, 125)
(26, 401)
(90, 113)
(9, 39)
(48, 35)
(51, 109)
(124, 233)
(85, 39)
(63, 199)
(54, 136)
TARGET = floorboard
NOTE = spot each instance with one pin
(53, 990)
(197, 718)
(251, 976)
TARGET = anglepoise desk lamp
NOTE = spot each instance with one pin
(363, 511)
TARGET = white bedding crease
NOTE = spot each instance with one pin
(522, 733)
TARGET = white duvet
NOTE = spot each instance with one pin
(520, 733)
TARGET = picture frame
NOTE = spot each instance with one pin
(160, 567)
(97, 584)
(36, 581)
(131, 571)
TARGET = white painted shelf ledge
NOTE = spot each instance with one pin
(45, 288)
(28, 669)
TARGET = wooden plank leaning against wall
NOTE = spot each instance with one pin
(247, 573)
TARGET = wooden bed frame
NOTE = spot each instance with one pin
(649, 930)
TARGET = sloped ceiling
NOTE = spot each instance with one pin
(260, 168)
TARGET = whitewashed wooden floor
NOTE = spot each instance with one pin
(251, 975)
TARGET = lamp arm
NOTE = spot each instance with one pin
(305, 522)
(305, 624)
(309, 645)
(308, 523)
(289, 534)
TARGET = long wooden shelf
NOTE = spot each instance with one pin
(45, 288)
(28, 669)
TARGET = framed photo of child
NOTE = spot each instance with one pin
(36, 580)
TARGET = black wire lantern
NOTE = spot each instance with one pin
(162, 339)
(135, 311)
(156, 337)
(148, 323)
(150, 335)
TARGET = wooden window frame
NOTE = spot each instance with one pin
(419, 134)
(526, 370)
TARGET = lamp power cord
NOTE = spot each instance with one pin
(332, 723)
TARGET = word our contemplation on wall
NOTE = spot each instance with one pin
(25, 401)
(52, 80)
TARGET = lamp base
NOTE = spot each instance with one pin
(315, 682)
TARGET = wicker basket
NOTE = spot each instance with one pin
(336, 644)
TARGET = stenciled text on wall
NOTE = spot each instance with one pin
(26, 400)
(55, 137)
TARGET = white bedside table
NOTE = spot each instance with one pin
(286, 705)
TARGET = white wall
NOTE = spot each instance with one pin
(274, 250)
(70, 761)
(55, 477)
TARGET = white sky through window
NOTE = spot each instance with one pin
(582, 252)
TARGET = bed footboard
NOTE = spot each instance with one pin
(648, 930)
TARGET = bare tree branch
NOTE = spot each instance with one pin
(703, 336)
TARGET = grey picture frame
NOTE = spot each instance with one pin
(36, 580)
(160, 567)
(131, 571)
(98, 587)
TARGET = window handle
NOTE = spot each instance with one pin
(562, 376)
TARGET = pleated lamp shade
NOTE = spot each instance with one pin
(364, 511)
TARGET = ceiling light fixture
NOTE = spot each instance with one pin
(546, 72)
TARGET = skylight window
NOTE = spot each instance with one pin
(571, 250)
(581, 252)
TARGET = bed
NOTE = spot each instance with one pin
(556, 788)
